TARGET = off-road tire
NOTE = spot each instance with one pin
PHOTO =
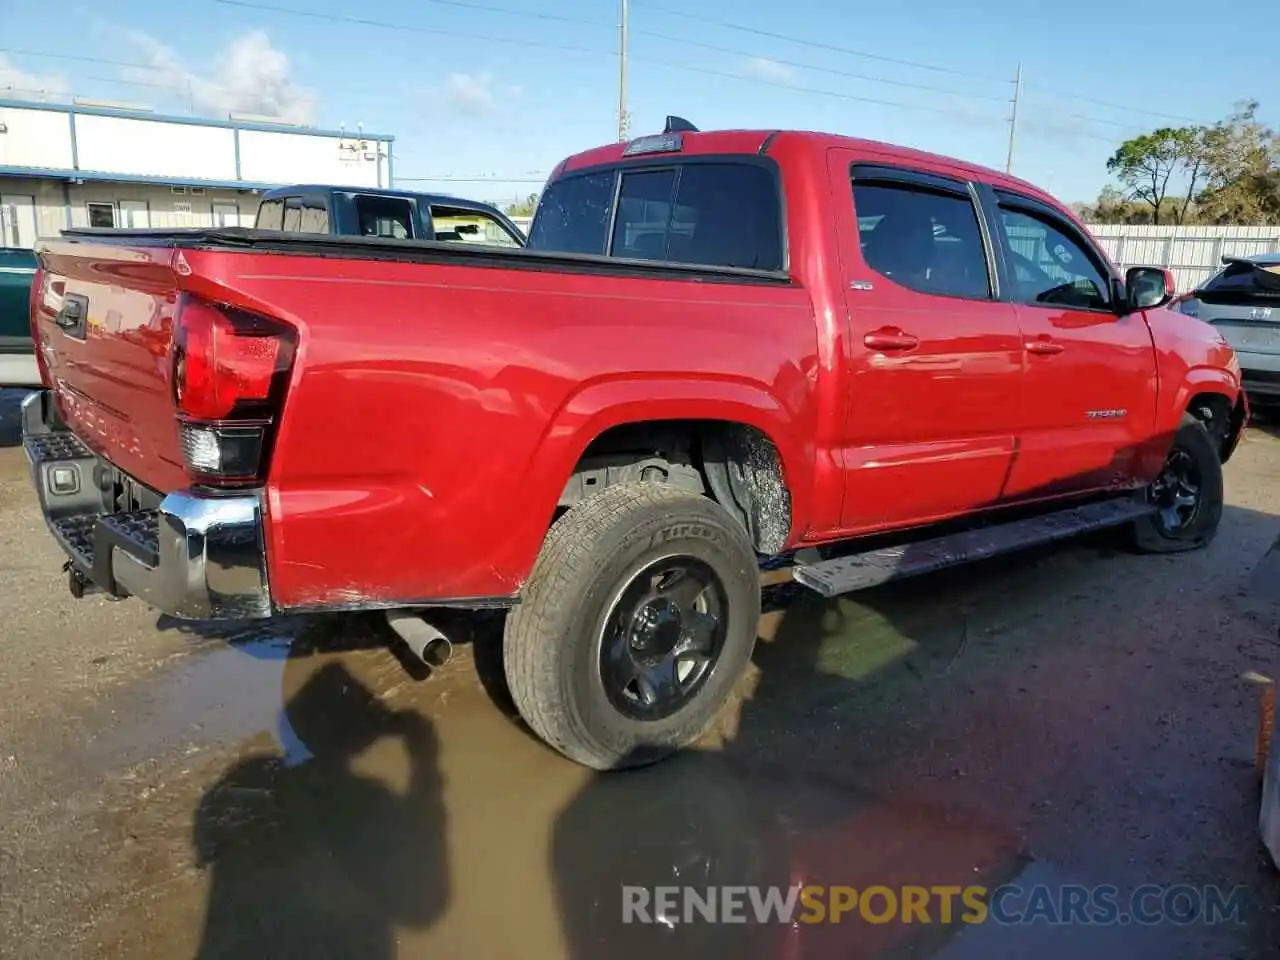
(1149, 535)
(551, 643)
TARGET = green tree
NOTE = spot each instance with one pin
(1242, 158)
(1149, 167)
(523, 208)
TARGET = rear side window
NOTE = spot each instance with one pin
(271, 215)
(922, 239)
(716, 214)
(293, 214)
(573, 215)
(315, 217)
(1244, 279)
(388, 217)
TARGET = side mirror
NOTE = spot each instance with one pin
(1148, 287)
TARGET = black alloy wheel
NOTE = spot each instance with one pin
(662, 637)
(1176, 492)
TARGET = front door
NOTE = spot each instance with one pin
(934, 361)
(134, 215)
(17, 221)
(1090, 389)
(226, 215)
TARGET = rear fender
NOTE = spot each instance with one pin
(600, 406)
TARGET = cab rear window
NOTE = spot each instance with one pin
(723, 214)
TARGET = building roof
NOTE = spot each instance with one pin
(263, 126)
(96, 176)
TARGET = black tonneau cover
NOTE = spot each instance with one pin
(416, 251)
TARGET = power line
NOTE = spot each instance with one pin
(816, 69)
(823, 46)
(937, 68)
(816, 91)
(462, 4)
(386, 25)
(1106, 103)
(410, 28)
(77, 58)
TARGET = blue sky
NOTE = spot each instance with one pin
(489, 119)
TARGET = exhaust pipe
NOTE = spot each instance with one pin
(427, 643)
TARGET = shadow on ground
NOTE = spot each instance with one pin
(915, 734)
(320, 859)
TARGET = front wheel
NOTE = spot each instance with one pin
(639, 617)
(1187, 495)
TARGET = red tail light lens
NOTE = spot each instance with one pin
(230, 369)
(225, 359)
(36, 295)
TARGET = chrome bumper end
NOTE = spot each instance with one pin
(193, 554)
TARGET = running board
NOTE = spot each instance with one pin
(858, 571)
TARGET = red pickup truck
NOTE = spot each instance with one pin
(719, 349)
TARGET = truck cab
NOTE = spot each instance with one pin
(389, 214)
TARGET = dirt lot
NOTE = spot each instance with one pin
(1077, 715)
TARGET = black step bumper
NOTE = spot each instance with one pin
(193, 554)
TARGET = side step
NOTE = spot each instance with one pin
(858, 571)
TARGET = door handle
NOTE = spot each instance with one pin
(890, 338)
(69, 315)
(1044, 347)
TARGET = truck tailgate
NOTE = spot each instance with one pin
(103, 323)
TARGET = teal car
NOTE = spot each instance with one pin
(17, 352)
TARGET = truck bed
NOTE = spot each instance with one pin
(415, 251)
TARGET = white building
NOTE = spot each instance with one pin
(107, 165)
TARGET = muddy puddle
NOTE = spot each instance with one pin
(333, 800)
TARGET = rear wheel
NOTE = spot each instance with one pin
(637, 621)
(1187, 494)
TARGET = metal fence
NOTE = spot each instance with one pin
(1191, 252)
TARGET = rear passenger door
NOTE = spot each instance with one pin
(1090, 387)
(935, 360)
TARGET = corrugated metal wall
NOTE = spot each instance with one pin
(1192, 252)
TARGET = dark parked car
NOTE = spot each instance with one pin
(391, 214)
(17, 354)
(1243, 301)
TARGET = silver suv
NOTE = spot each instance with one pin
(1243, 301)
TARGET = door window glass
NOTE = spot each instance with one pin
(1049, 267)
(387, 217)
(271, 215)
(923, 239)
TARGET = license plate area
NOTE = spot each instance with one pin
(1254, 337)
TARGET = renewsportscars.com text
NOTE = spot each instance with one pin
(1007, 904)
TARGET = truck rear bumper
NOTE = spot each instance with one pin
(193, 554)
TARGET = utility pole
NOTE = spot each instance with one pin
(622, 74)
(1013, 119)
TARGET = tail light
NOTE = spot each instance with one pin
(37, 295)
(230, 371)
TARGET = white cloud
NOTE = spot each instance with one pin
(248, 76)
(762, 68)
(17, 84)
(474, 94)
(468, 93)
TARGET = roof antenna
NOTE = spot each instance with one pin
(678, 125)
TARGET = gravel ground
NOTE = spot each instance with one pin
(1077, 715)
